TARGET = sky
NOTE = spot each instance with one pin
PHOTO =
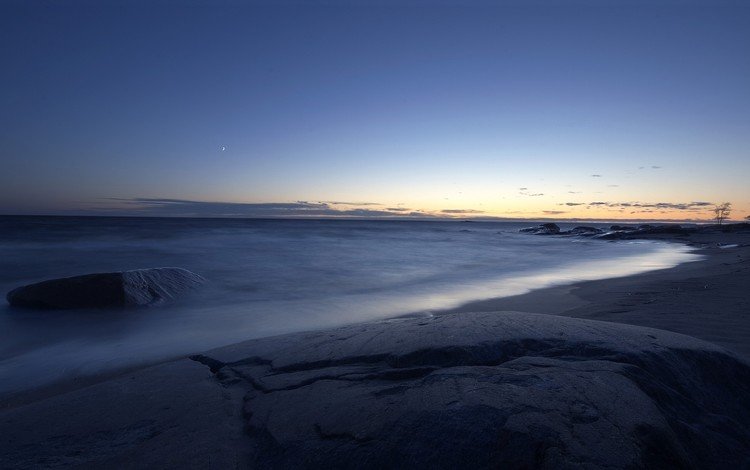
(512, 109)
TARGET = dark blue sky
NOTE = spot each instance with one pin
(507, 109)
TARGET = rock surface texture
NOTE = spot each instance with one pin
(101, 290)
(482, 390)
(466, 390)
(554, 229)
(631, 232)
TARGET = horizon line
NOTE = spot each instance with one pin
(382, 218)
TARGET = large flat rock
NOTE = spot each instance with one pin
(476, 390)
(133, 288)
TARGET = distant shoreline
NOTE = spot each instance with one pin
(374, 219)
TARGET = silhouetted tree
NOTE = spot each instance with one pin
(722, 211)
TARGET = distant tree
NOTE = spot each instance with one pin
(722, 211)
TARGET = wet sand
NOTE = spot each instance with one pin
(708, 299)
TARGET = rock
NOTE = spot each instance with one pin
(616, 235)
(101, 290)
(554, 229)
(742, 227)
(646, 231)
(667, 230)
(544, 229)
(497, 389)
(465, 390)
(584, 231)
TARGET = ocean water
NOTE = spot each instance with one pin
(267, 277)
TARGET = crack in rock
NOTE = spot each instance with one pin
(515, 390)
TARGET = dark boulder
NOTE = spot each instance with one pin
(512, 390)
(102, 290)
(617, 235)
(453, 391)
(544, 229)
(647, 231)
(622, 228)
(742, 227)
(667, 230)
(583, 231)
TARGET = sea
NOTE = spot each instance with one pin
(270, 277)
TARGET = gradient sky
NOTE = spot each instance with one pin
(601, 109)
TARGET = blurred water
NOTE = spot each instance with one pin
(268, 277)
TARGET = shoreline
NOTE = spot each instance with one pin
(600, 299)
(702, 298)
(496, 381)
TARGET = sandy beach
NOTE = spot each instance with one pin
(707, 299)
(519, 381)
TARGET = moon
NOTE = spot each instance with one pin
(223, 148)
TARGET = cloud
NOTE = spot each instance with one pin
(655, 167)
(613, 185)
(187, 208)
(572, 204)
(596, 176)
(555, 212)
(695, 206)
(340, 203)
(374, 213)
(461, 211)
(524, 192)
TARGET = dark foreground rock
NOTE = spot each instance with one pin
(101, 290)
(468, 390)
(505, 390)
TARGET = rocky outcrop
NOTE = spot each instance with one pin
(466, 390)
(648, 231)
(742, 227)
(102, 290)
(671, 230)
(583, 231)
(645, 231)
(544, 229)
(554, 229)
(482, 390)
